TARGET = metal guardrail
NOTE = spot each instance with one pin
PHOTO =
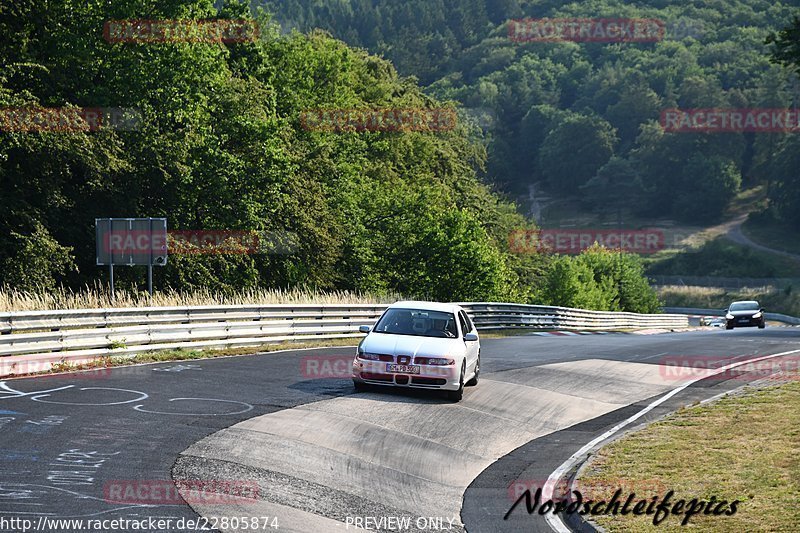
(499, 316)
(46, 338)
(774, 317)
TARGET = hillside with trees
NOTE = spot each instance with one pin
(569, 115)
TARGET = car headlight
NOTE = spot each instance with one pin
(438, 361)
(758, 315)
(367, 356)
(729, 316)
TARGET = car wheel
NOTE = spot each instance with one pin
(762, 326)
(456, 395)
(474, 380)
(360, 386)
(728, 327)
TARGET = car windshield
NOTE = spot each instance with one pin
(418, 322)
(745, 306)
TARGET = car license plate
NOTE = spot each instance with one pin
(404, 369)
(744, 320)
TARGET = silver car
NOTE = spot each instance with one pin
(423, 345)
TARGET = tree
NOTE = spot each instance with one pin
(616, 186)
(574, 151)
(622, 276)
(637, 104)
(784, 192)
(783, 172)
(37, 263)
(709, 184)
(786, 45)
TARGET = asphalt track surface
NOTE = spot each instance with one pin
(321, 456)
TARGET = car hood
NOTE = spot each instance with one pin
(746, 313)
(384, 343)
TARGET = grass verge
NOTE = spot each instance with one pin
(97, 297)
(741, 447)
(180, 354)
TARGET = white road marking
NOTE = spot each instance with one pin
(247, 408)
(142, 396)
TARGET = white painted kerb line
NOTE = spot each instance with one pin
(553, 520)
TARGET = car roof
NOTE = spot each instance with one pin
(426, 306)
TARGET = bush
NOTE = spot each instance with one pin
(38, 263)
(601, 279)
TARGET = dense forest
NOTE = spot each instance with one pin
(582, 118)
(219, 146)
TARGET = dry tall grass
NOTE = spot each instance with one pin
(97, 297)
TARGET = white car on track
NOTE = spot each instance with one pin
(422, 345)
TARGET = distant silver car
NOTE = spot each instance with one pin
(422, 345)
(717, 322)
(713, 321)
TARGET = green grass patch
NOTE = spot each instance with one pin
(773, 235)
(181, 354)
(742, 447)
(723, 258)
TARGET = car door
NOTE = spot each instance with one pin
(473, 347)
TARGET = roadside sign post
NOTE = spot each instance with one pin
(150, 263)
(130, 242)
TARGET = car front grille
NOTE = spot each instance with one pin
(377, 377)
(416, 380)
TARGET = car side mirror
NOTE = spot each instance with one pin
(763, 310)
(364, 329)
(470, 337)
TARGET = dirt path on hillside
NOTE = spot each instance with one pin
(736, 234)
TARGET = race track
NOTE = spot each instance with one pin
(323, 457)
